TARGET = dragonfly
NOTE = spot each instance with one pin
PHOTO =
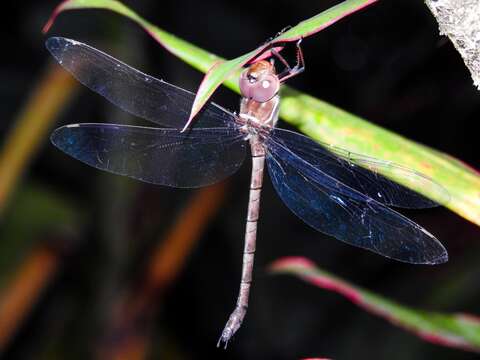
(337, 192)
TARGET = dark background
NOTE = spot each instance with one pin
(387, 64)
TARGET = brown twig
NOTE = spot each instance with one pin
(30, 129)
(128, 338)
(18, 298)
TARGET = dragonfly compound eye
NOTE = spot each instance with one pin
(260, 89)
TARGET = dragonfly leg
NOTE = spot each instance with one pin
(297, 69)
(269, 40)
(285, 63)
(236, 318)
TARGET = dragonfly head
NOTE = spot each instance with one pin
(259, 81)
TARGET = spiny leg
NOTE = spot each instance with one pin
(289, 71)
(270, 39)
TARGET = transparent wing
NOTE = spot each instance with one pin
(363, 173)
(131, 90)
(195, 158)
(332, 207)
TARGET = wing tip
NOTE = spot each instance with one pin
(59, 136)
(54, 136)
(441, 259)
(57, 44)
(436, 256)
(53, 43)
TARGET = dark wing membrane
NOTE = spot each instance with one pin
(131, 90)
(367, 175)
(195, 158)
(330, 206)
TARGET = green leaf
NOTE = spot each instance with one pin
(222, 70)
(218, 73)
(452, 330)
(196, 57)
(327, 123)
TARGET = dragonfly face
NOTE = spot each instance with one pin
(259, 82)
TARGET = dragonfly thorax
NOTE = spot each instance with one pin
(258, 118)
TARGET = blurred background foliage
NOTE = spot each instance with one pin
(98, 266)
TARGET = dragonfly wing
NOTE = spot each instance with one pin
(370, 176)
(131, 90)
(330, 206)
(195, 158)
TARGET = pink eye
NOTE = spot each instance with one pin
(261, 90)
